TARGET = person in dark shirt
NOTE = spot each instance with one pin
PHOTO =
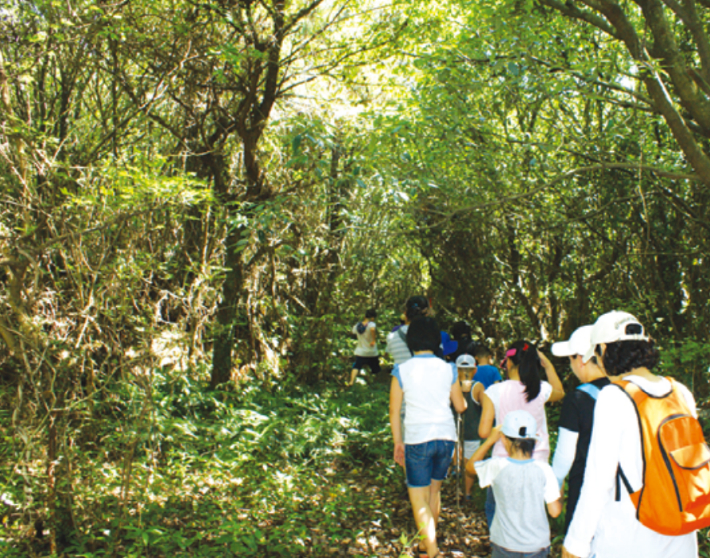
(576, 418)
(461, 333)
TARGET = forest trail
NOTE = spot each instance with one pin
(462, 528)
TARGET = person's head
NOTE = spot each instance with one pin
(522, 359)
(519, 432)
(461, 331)
(576, 348)
(465, 361)
(371, 314)
(465, 365)
(620, 343)
(415, 306)
(482, 354)
(423, 334)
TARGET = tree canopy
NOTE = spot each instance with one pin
(201, 196)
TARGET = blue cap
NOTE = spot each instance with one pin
(447, 345)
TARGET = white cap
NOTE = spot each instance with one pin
(614, 326)
(465, 361)
(520, 424)
(579, 343)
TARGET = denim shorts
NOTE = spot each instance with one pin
(428, 461)
(500, 552)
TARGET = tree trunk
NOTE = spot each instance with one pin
(227, 311)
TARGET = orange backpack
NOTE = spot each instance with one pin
(675, 496)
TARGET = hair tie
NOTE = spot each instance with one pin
(525, 347)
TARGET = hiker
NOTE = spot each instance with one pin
(522, 487)
(397, 339)
(575, 425)
(524, 389)
(486, 372)
(472, 391)
(605, 523)
(366, 351)
(427, 384)
(484, 376)
(461, 333)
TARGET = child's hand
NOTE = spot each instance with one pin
(399, 454)
(566, 553)
(496, 433)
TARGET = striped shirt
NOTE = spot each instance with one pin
(397, 347)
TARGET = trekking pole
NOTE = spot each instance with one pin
(459, 459)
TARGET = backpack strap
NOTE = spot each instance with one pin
(636, 395)
(590, 389)
(620, 476)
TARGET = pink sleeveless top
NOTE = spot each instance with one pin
(510, 396)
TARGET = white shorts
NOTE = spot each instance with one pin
(469, 448)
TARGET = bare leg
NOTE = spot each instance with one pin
(435, 501)
(353, 375)
(470, 479)
(426, 505)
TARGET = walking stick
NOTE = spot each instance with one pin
(459, 458)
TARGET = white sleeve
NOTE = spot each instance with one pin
(689, 399)
(354, 329)
(488, 470)
(552, 489)
(564, 453)
(546, 390)
(493, 393)
(613, 414)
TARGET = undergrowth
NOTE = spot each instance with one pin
(249, 472)
(179, 471)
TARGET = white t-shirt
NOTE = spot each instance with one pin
(426, 382)
(521, 489)
(510, 396)
(602, 527)
(364, 339)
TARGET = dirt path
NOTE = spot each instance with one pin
(462, 529)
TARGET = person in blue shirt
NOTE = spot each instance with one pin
(486, 373)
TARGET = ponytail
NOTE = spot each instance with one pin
(529, 367)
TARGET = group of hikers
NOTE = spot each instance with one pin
(630, 453)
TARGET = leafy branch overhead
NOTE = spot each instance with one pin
(199, 200)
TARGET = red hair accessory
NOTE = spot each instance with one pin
(525, 347)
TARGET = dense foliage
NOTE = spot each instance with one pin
(286, 472)
(211, 194)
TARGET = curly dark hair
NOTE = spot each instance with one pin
(623, 356)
